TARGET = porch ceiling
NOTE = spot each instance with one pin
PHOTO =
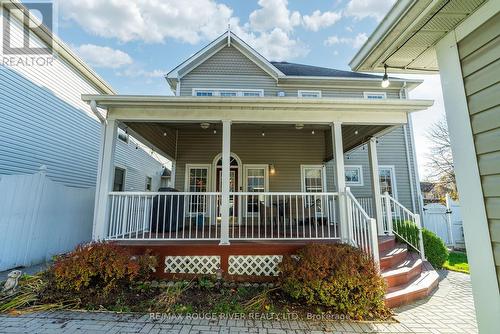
(162, 136)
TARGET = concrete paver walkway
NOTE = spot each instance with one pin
(449, 310)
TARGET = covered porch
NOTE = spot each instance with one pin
(247, 169)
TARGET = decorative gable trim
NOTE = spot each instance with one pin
(226, 39)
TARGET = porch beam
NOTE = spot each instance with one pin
(106, 168)
(257, 114)
(377, 196)
(225, 181)
(338, 153)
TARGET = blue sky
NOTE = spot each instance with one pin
(132, 44)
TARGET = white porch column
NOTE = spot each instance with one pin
(338, 154)
(106, 169)
(225, 180)
(377, 196)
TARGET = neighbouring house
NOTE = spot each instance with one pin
(267, 156)
(461, 41)
(50, 143)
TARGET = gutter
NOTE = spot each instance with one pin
(93, 107)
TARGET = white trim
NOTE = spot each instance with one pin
(374, 169)
(367, 94)
(199, 166)
(300, 92)
(361, 182)
(146, 184)
(302, 176)
(480, 16)
(475, 220)
(217, 91)
(392, 168)
(124, 168)
(217, 44)
(213, 185)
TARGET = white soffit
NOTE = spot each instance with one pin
(408, 43)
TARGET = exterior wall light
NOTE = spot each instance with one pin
(385, 78)
(272, 170)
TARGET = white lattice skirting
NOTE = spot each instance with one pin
(255, 265)
(192, 264)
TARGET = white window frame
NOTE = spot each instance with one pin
(124, 176)
(120, 132)
(393, 178)
(246, 167)
(193, 166)
(382, 95)
(301, 92)
(146, 185)
(360, 183)
(239, 92)
(303, 174)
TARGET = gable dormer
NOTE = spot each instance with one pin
(226, 63)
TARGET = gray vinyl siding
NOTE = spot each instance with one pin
(230, 69)
(43, 121)
(391, 150)
(286, 149)
(480, 60)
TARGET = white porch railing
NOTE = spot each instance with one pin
(163, 216)
(284, 216)
(362, 228)
(403, 223)
(196, 216)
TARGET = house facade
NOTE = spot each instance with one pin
(460, 41)
(266, 156)
(47, 129)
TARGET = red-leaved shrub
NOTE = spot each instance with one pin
(337, 276)
(100, 267)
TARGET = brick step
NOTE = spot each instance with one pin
(419, 287)
(392, 257)
(386, 243)
(404, 272)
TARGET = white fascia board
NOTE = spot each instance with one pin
(215, 46)
(384, 27)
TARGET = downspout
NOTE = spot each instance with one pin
(407, 147)
(404, 90)
(102, 120)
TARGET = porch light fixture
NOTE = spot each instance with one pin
(272, 170)
(205, 126)
(164, 134)
(385, 78)
(299, 126)
(215, 132)
(356, 132)
(263, 134)
(312, 132)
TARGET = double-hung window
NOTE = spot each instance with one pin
(312, 182)
(197, 182)
(256, 181)
(387, 178)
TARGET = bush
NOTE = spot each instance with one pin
(338, 276)
(100, 268)
(435, 249)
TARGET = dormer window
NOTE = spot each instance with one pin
(228, 92)
(375, 95)
(309, 94)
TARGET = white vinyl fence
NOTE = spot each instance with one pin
(445, 221)
(40, 218)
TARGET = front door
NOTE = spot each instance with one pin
(233, 187)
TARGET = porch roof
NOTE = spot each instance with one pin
(258, 110)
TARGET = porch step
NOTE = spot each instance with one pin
(404, 272)
(408, 278)
(393, 257)
(418, 288)
(386, 243)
